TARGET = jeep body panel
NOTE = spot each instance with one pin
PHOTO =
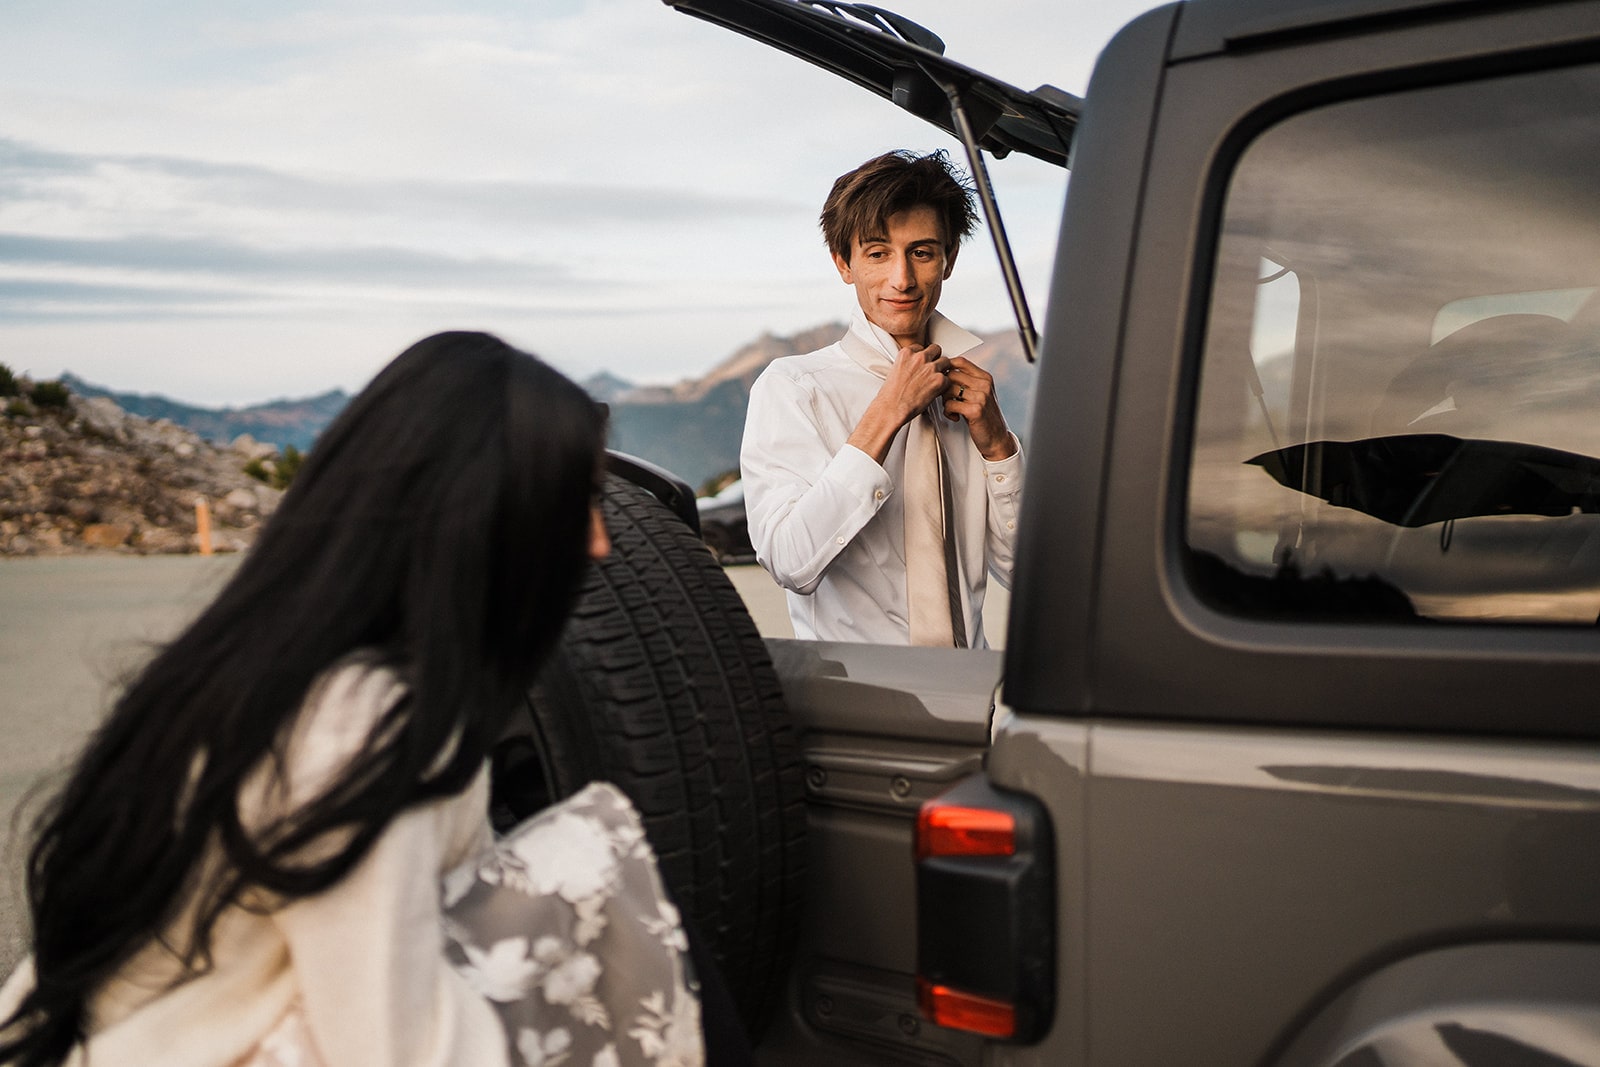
(1217, 887)
(1452, 1003)
(882, 730)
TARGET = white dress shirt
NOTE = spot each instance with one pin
(824, 518)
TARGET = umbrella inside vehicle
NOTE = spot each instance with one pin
(1418, 479)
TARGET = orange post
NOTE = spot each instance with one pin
(202, 525)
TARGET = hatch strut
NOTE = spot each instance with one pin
(991, 213)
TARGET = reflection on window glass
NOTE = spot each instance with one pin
(1277, 312)
(1560, 304)
(1399, 405)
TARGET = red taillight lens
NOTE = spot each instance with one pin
(966, 1011)
(953, 830)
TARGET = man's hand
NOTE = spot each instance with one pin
(917, 377)
(969, 394)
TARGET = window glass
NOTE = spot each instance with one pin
(1399, 401)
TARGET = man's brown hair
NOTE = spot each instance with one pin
(861, 201)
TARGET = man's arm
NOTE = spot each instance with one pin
(805, 498)
(970, 395)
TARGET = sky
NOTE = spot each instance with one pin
(228, 202)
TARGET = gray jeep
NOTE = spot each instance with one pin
(1293, 754)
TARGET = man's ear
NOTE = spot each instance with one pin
(950, 260)
(842, 265)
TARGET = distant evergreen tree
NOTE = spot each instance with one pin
(278, 472)
(288, 466)
(49, 395)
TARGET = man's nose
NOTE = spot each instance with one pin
(901, 276)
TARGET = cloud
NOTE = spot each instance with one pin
(19, 161)
(234, 259)
(76, 227)
(29, 172)
(36, 300)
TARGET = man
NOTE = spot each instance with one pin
(881, 481)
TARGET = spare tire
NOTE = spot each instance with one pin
(662, 685)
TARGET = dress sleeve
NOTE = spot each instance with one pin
(368, 954)
(804, 500)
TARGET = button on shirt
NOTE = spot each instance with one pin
(825, 519)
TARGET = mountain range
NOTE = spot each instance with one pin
(691, 428)
(278, 422)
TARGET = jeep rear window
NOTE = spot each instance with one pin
(1398, 412)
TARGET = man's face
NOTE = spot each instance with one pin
(898, 274)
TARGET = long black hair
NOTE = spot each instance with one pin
(440, 523)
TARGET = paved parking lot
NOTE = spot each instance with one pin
(765, 601)
(69, 628)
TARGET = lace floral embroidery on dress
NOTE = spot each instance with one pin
(567, 931)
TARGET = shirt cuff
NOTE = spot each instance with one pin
(1005, 474)
(863, 475)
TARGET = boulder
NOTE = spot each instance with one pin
(250, 448)
(107, 534)
(101, 416)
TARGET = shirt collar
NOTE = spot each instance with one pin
(951, 339)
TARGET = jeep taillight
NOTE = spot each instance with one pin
(985, 912)
(948, 829)
(966, 1011)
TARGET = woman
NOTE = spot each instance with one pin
(249, 850)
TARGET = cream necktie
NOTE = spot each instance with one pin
(933, 592)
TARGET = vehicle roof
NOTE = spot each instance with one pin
(1208, 26)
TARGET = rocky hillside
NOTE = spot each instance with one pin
(89, 477)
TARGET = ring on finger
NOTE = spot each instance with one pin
(961, 392)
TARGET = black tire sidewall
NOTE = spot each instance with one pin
(663, 686)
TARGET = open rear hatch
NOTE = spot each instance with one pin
(905, 63)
